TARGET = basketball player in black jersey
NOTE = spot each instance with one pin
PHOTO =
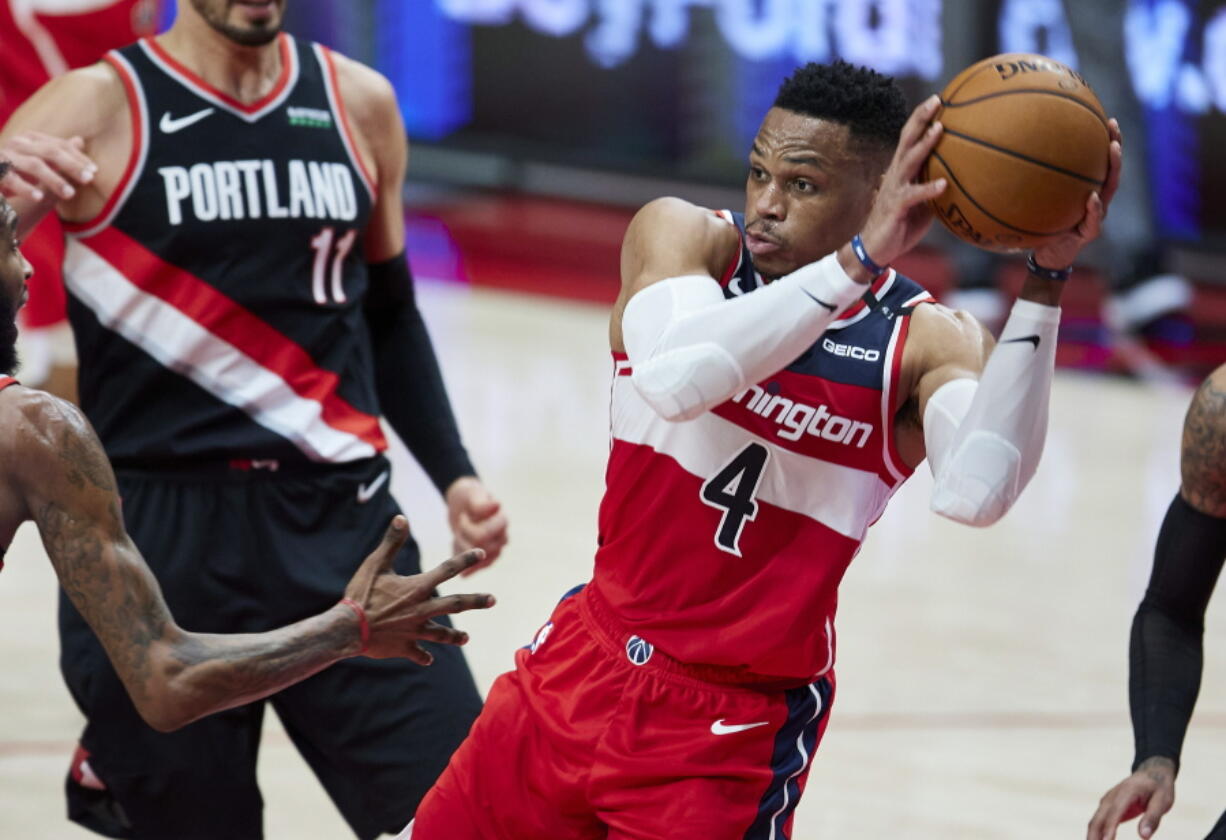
(244, 317)
(1167, 652)
(56, 475)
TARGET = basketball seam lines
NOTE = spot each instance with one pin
(1044, 91)
(985, 211)
(1026, 158)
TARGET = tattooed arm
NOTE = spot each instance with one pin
(1167, 643)
(58, 470)
(1203, 456)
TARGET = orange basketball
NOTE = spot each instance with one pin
(1025, 144)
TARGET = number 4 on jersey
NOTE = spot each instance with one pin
(732, 490)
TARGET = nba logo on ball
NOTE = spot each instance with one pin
(638, 650)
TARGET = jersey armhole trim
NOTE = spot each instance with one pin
(890, 456)
(342, 119)
(139, 113)
(735, 265)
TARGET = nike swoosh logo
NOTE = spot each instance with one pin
(721, 728)
(820, 302)
(170, 125)
(1033, 339)
(366, 492)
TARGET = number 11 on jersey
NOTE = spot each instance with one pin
(734, 490)
(322, 246)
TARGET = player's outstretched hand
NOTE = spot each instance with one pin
(1063, 251)
(1148, 793)
(45, 169)
(476, 520)
(901, 214)
(399, 609)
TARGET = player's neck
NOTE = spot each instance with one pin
(244, 73)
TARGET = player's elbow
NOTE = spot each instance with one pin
(163, 711)
(981, 482)
(166, 700)
(681, 384)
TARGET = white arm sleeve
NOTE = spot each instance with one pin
(984, 439)
(691, 349)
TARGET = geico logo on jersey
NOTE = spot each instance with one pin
(850, 351)
(248, 189)
(797, 419)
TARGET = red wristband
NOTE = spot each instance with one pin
(363, 624)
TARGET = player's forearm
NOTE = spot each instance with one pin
(408, 380)
(204, 673)
(1167, 644)
(691, 349)
(1166, 662)
(984, 440)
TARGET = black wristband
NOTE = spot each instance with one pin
(1060, 275)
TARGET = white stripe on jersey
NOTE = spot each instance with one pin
(181, 344)
(844, 499)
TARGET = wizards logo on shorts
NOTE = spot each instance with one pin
(638, 651)
(541, 636)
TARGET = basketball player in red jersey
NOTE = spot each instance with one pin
(244, 317)
(775, 382)
(42, 39)
(56, 474)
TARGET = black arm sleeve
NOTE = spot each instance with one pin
(407, 377)
(1166, 651)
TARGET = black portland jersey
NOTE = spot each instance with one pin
(217, 298)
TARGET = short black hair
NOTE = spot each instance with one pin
(870, 104)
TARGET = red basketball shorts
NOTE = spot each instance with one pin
(595, 734)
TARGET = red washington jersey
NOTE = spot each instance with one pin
(723, 539)
(217, 298)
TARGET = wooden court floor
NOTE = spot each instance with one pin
(982, 675)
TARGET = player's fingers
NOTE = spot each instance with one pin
(492, 552)
(14, 186)
(1159, 804)
(1115, 171)
(36, 170)
(72, 163)
(450, 568)
(452, 604)
(415, 652)
(917, 194)
(484, 509)
(1091, 224)
(485, 532)
(393, 540)
(432, 632)
(913, 130)
(919, 152)
(1114, 132)
(1101, 826)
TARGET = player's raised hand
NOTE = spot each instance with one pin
(1148, 793)
(1063, 251)
(476, 520)
(45, 169)
(399, 610)
(901, 213)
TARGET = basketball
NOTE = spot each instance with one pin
(1025, 143)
